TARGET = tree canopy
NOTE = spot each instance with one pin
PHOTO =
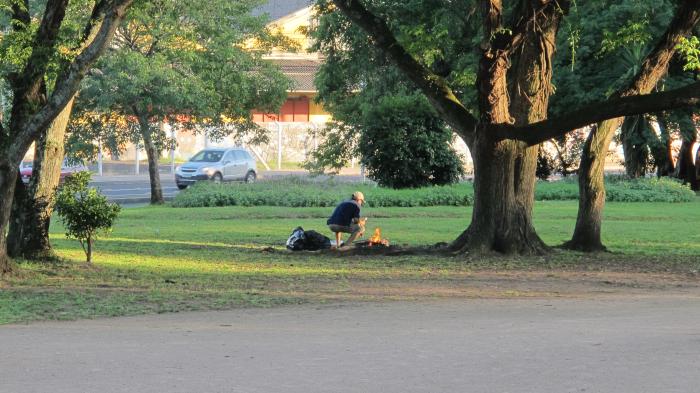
(184, 61)
(510, 46)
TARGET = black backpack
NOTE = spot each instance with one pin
(296, 239)
(316, 241)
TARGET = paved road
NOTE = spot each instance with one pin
(137, 188)
(635, 344)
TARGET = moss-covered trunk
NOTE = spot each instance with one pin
(591, 181)
(30, 220)
(8, 179)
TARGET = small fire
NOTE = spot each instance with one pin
(377, 238)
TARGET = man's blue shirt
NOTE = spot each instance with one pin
(344, 213)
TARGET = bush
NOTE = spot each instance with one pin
(620, 190)
(405, 145)
(85, 212)
(295, 192)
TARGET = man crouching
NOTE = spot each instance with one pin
(346, 219)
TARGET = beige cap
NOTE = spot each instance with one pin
(358, 196)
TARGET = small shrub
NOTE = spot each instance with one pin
(85, 212)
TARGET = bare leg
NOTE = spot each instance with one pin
(338, 235)
(357, 232)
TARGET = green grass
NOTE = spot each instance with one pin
(161, 259)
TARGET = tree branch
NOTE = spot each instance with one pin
(108, 16)
(628, 99)
(655, 65)
(546, 9)
(434, 87)
(539, 132)
(27, 85)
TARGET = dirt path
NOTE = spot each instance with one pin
(504, 284)
(625, 341)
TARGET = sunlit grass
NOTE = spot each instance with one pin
(161, 259)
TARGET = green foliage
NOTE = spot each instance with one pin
(300, 193)
(608, 36)
(85, 213)
(294, 192)
(690, 48)
(175, 58)
(404, 144)
(380, 115)
(634, 33)
(617, 190)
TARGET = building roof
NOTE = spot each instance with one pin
(301, 71)
(279, 8)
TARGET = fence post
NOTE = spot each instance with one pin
(279, 145)
(173, 142)
(99, 157)
(136, 148)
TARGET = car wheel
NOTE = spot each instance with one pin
(250, 177)
(181, 186)
(217, 178)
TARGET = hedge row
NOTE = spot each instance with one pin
(638, 190)
(296, 192)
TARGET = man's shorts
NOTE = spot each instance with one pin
(354, 228)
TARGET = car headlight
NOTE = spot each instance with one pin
(208, 171)
(177, 169)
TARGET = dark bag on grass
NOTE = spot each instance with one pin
(296, 239)
(316, 241)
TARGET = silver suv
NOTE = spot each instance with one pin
(217, 165)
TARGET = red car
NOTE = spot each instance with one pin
(25, 170)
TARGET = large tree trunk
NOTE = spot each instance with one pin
(502, 215)
(634, 146)
(591, 184)
(587, 232)
(685, 169)
(8, 178)
(504, 172)
(153, 154)
(31, 213)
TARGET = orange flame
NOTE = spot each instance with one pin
(377, 237)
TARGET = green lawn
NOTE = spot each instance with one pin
(161, 259)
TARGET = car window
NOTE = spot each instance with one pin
(239, 155)
(246, 155)
(207, 156)
(229, 157)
